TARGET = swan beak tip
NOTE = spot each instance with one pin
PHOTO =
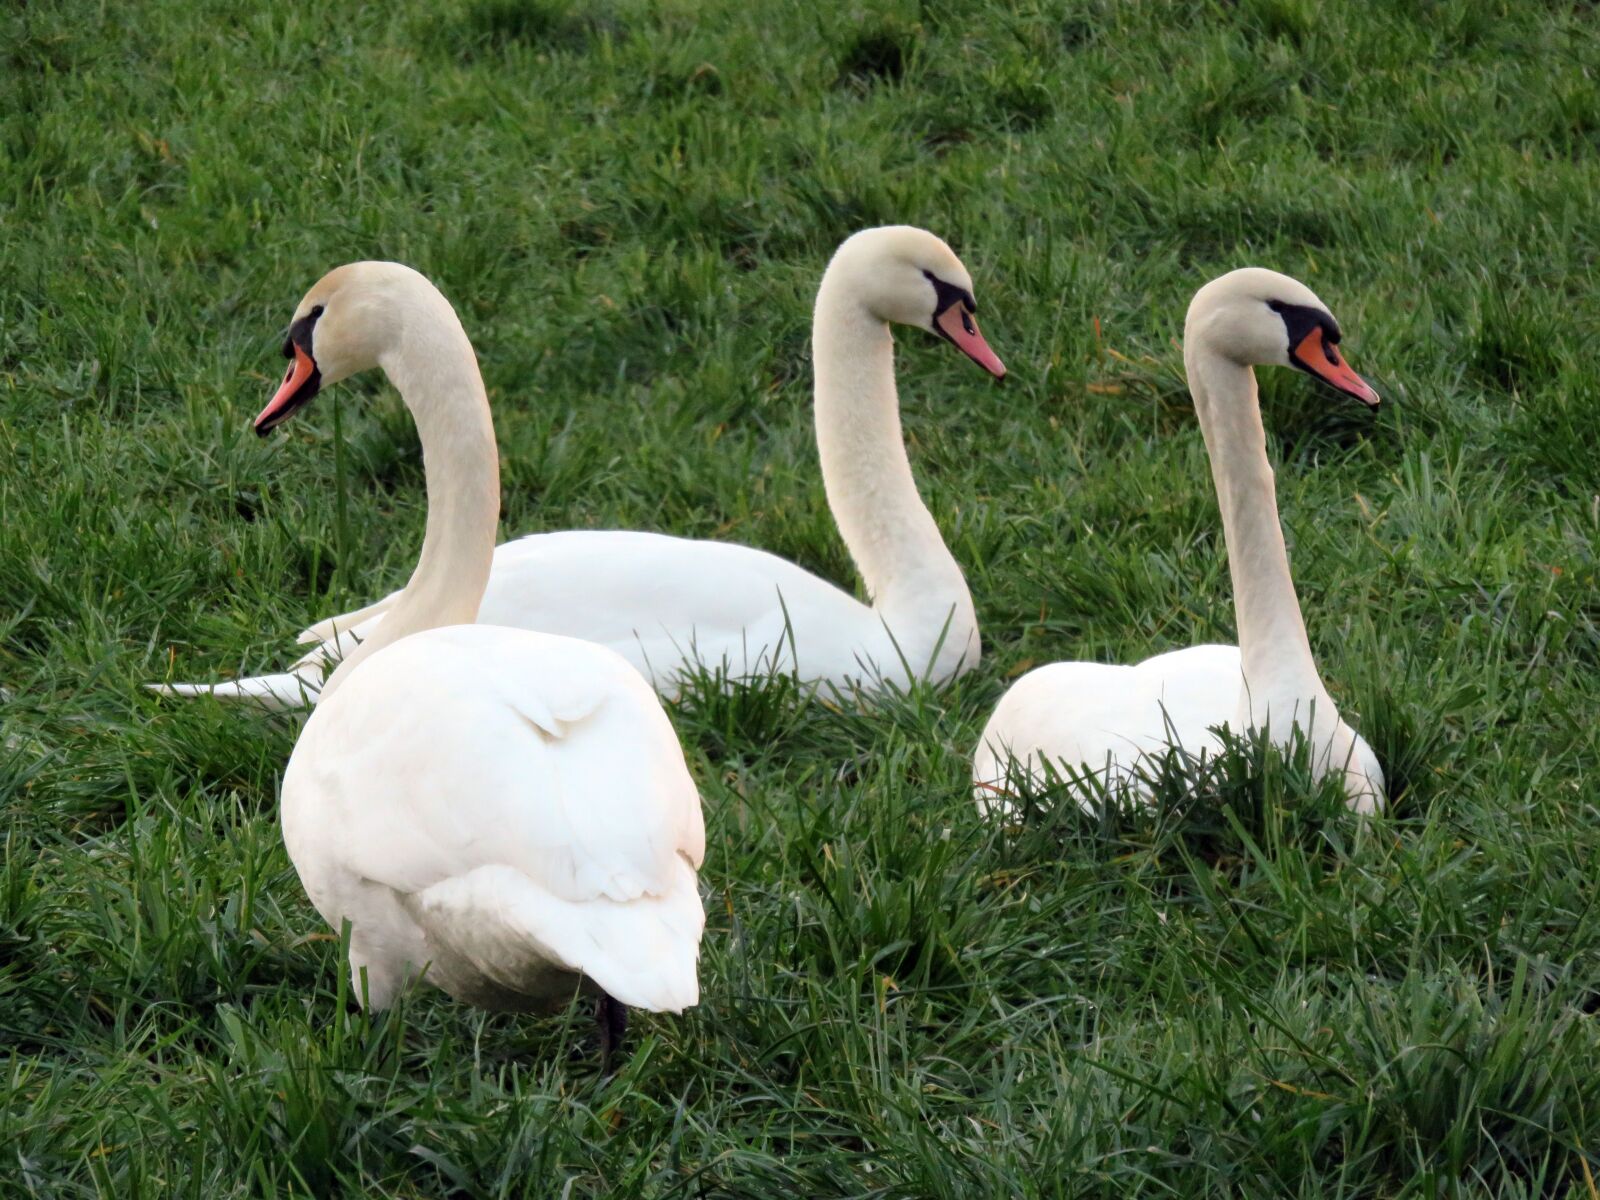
(1314, 356)
(300, 383)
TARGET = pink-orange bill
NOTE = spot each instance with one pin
(286, 399)
(1322, 360)
(957, 324)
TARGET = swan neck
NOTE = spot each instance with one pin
(1276, 654)
(909, 573)
(436, 373)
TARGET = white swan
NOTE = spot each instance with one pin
(667, 604)
(508, 810)
(1093, 717)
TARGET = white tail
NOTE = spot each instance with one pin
(298, 687)
(276, 693)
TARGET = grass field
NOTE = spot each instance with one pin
(631, 203)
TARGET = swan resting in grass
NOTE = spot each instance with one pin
(1110, 725)
(673, 605)
(507, 813)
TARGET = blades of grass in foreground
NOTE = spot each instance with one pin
(1240, 992)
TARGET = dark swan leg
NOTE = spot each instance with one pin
(612, 1017)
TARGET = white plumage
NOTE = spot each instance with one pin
(1108, 720)
(509, 808)
(669, 605)
(507, 812)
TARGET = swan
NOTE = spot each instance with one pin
(505, 812)
(1104, 720)
(670, 604)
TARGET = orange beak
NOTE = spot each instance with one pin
(957, 324)
(1315, 355)
(300, 383)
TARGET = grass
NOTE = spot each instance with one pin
(631, 203)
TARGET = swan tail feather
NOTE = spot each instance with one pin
(276, 693)
(641, 952)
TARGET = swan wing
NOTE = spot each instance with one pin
(668, 604)
(526, 798)
(1102, 717)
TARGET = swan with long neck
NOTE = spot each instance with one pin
(504, 812)
(1109, 720)
(671, 605)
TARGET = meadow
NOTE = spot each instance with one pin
(1250, 994)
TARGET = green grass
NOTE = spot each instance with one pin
(630, 203)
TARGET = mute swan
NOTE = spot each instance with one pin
(508, 809)
(667, 603)
(1093, 717)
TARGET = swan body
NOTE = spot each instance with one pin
(670, 605)
(667, 605)
(535, 832)
(1111, 721)
(504, 813)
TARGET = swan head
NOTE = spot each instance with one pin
(906, 276)
(1257, 317)
(342, 326)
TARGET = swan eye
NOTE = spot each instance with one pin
(300, 331)
(966, 321)
(1301, 319)
(947, 294)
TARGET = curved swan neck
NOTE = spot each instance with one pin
(1273, 645)
(433, 367)
(890, 533)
